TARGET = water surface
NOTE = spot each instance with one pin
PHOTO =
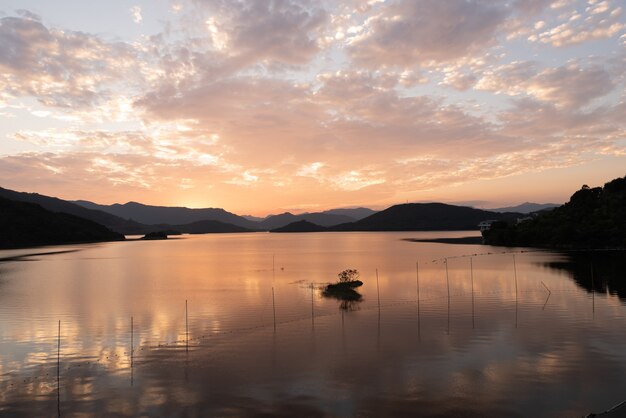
(502, 332)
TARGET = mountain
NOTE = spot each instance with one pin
(151, 215)
(527, 207)
(321, 219)
(355, 213)
(54, 204)
(424, 217)
(592, 218)
(24, 224)
(300, 226)
(252, 218)
(205, 227)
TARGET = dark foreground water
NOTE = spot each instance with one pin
(530, 334)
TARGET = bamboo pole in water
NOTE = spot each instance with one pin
(312, 309)
(132, 348)
(448, 284)
(378, 290)
(417, 279)
(515, 275)
(59, 370)
(274, 308)
(472, 279)
(186, 327)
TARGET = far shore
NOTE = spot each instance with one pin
(459, 240)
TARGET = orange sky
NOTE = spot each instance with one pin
(261, 107)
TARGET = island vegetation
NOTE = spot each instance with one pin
(592, 218)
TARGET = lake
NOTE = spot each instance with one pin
(236, 325)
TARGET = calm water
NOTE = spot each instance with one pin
(495, 342)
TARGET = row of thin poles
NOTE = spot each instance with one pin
(417, 278)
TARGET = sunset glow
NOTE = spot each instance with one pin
(264, 106)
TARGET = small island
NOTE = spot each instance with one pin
(158, 235)
(593, 218)
(343, 290)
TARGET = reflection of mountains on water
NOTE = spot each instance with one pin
(600, 271)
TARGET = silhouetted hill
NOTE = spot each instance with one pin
(355, 213)
(24, 224)
(300, 226)
(423, 217)
(593, 218)
(252, 218)
(151, 215)
(527, 207)
(322, 219)
(54, 204)
(207, 227)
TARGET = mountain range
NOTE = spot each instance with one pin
(411, 217)
(526, 207)
(151, 215)
(134, 218)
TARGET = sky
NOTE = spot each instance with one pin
(264, 106)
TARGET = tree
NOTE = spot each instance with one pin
(348, 275)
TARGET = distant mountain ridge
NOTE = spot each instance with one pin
(173, 216)
(526, 207)
(137, 218)
(151, 215)
(111, 221)
(411, 217)
(300, 226)
(321, 219)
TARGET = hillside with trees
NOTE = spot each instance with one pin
(593, 218)
(25, 224)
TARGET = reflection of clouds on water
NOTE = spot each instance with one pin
(238, 365)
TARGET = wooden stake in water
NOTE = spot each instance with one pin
(445, 261)
(132, 349)
(548, 298)
(472, 279)
(186, 327)
(515, 273)
(274, 308)
(417, 279)
(378, 290)
(312, 309)
(59, 370)
(448, 284)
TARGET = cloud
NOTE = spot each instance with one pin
(59, 68)
(135, 12)
(272, 31)
(571, 85)
(599, 20)
(289, 103)
(408, 33)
